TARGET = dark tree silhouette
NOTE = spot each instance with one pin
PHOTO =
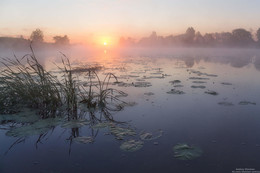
(209, 39)
(189, 35)
(37, 36)
(242, 37)
(199, 39)
(59, 40)
(258, 35)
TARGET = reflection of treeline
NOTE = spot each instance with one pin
(36, 37)
(237, 38)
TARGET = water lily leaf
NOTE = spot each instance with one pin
(131, 145)
(37, 128)
(142, 84)
(102, 125)
(149, 94)
(25, 116)
(75, 123)
(120, 132)
(225, 104)
(84, 139)
(175, 82)
(174, 91)
(186, 152)
(151, 136)
(198, 78)
(226, 83)
(247, 103)
(198, 86)
(211, 92)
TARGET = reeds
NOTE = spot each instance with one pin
(26, 83)
(29, 85)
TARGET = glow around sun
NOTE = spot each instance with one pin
(105, 43)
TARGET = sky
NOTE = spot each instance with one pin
(98, 20)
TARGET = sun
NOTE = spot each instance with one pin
(105, 43)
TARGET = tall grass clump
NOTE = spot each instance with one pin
(28, 84)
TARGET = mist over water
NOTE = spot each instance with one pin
(204, 99)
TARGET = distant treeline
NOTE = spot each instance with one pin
(36, 38)
(237, 38)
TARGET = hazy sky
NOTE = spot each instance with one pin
(109, 19)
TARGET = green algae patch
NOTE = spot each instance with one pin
(84, 139)
(131, 145)
(186, 152)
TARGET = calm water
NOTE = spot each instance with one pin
(226, 127)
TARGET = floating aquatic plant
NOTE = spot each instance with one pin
(151, 136)
(75, 123)
(131, 145)
(198, 86)
(142, 84)
(120, 132)
(247, 103)
(211, 92)
(226, 104)
(174, 91)
(226, 83)
(175, 82)
(36, 128)
(198, 78)
(149, 94)
(186, 152)
(84, 139)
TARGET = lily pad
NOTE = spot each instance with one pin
(226, 103)
(75, 123)
(148, 93)
(198, 86)
(247, 103)
(186, 152)
(84, 139)
(226, 83)
(174, 91)
(102, 125)
(211, 92)
(131, 145)
(37, 128)
(178, 86)
(198, 78)
(26, 116)
(142, 84)
(150, 136)
(175, 82)
(199, 82)
(120, 132)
